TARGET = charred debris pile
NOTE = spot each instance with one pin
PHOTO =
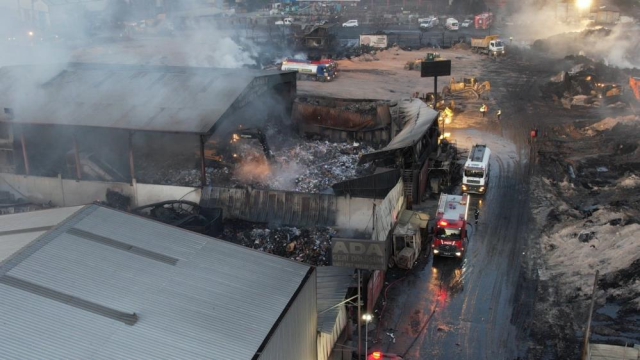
(321, 145)
(308, 245)
(591, 84)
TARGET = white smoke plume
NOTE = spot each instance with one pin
(568, 32)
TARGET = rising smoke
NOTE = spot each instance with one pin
(560, 33)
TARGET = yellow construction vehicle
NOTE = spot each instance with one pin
(468, 88)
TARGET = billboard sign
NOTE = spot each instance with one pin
(376, 41)
(359, 254)
(435, 68)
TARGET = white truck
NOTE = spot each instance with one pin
(452, 24)
(475, 176)
(310, 71)
(428, 23)
(490, 45)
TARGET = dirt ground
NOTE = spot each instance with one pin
(382, 76)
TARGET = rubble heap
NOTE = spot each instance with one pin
(311, 246)
(322, 164)
(309, 166)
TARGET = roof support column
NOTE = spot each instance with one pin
(76, 153)
(25, 157)
(132, 169)
(203, 174)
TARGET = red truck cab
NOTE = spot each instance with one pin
(450, 231)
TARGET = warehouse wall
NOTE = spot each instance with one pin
(295, 337)
(292, 208)
(64, 192)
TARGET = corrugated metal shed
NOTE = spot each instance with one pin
(18, 230)
(133, 97)
(71, 292)
(613, 352)
(333, 284)
(417, 118)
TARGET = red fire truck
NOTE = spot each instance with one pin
(450, 234)
(483, 21)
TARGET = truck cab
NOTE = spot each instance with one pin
(407, 238)
(496, 47)
(475, 174)
(450, 231)
(452, 24)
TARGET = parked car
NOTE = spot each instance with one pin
(351, 23)
(321, 22)
(466, 23)
(285, 22)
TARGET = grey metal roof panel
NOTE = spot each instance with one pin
(218, 301)
(27, 227)
(333, 284)
(151, 98)
(417, 118)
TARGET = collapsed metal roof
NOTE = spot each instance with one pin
(106, 284)
(133, 97)
(417, 119)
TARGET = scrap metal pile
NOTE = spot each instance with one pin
(306, 166)
(309, 245)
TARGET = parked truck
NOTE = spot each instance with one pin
(310, 71)
(483, 21)
(450, 230)
(452, 24)
(490, 45)
(407, 238)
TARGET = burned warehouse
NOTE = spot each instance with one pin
(120, 123)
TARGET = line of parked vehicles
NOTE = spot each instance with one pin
(481, 21)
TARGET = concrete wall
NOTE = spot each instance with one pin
(64, 192)
(355, 213)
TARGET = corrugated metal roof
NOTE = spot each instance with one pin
(18, 230)
(333, 284)
(417, 118)
(150, 98)
(219, 300)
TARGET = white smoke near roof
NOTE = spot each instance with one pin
(566, 34)
(113, 34)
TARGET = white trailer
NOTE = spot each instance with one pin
(475, 174)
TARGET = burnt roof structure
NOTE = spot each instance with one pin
(131, 97)
(418, 118)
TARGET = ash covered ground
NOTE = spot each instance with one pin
(586, 203)
(308, 245)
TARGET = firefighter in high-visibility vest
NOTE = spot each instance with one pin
(483, 109)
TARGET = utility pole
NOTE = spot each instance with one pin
(587, 332)
(359, 318)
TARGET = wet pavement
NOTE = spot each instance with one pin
(463, 309)
(478, 307)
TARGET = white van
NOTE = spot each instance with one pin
(351, 23)
(428, 23)
(475, 176)
(452, 24)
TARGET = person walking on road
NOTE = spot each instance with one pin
(483, 109)
(499, 113)
(476, 215)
